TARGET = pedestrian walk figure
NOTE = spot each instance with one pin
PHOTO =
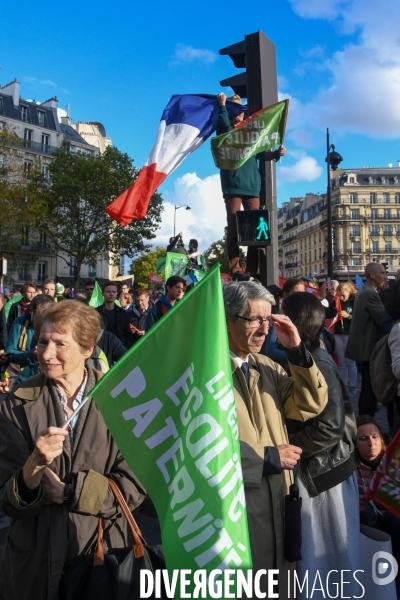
(263, 227)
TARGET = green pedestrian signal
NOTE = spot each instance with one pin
(253, 227)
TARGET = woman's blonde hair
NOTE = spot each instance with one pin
(236, 98)
(127, 297)
(348, 286)
(69, 316)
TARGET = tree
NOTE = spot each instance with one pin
(21, 200)
(82, 186)
(145, 264)
(218, 253)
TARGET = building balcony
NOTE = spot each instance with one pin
(289, 240)
(290, 252)
(291, 265)
(36, 147)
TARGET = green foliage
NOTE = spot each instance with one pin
(145, 264)
(218, 253)
(82, 186)
(21, 200)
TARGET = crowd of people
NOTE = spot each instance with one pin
(297, 353)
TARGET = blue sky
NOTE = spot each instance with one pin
(338, 62)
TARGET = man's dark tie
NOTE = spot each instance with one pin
(245, 371)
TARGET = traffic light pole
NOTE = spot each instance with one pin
(259, 85)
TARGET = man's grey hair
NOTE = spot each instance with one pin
(371, 267)
(334, 282)
(238, 293)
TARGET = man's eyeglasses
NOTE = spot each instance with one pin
(255, 322)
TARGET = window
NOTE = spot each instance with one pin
(41, 117)
(388, 246)
(1, 106)
(384, 180)
(72, 265)
(370, 180)
(46, 173)
(397, 198)
(28, 168)
(355, 230)
(42, 269)
(24, 113)
(398, 213)
(356, 247)
(353, 198)
(320, 254)
(385, 198)
(375, 230)
(315, 254)
(398, 230)
(355, 213)
(396, 179)
(319, 237)
(387, 230)
(23, 271)
(372, 198)
(24, 236)
(42, 240)
(28, 135)
(374, 213)
(386, 213)
(315, 239)
(2, 161)
(355, 262)
(375, 246)
(45, 141)
(92, 271)
(389, 261)
(351, 179)
(309, 256)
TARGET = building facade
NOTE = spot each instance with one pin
(365, 220)
(39, 129)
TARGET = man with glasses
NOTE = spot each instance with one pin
(265, 396)
(89, 289)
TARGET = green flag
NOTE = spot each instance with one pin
(97, 296)
(173, 416)
(262, 131)
(7, 307)
(175, 264)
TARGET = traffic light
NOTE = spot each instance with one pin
(253, 227)
(258, 84)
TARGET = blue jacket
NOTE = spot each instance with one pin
(158, 310)
(25, 358)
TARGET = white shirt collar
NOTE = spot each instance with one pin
(237, 360)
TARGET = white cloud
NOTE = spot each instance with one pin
(206, 219)
(318, 9)
(187, 54)
(305, 169)
(364, 77)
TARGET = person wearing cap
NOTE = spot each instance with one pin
(240, 186)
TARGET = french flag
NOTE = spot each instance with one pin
(187, 121)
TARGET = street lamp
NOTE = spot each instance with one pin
(333, 159)
(176, 208)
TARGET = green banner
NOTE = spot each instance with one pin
(173, 416)
(9, 304)
(175, 264)
(97, 297)
(262, 131)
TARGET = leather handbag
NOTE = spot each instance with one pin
(113, 575)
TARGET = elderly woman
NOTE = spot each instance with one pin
(54, 481)
(326, 477)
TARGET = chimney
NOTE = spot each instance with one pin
(12, 89)
(398, 163)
